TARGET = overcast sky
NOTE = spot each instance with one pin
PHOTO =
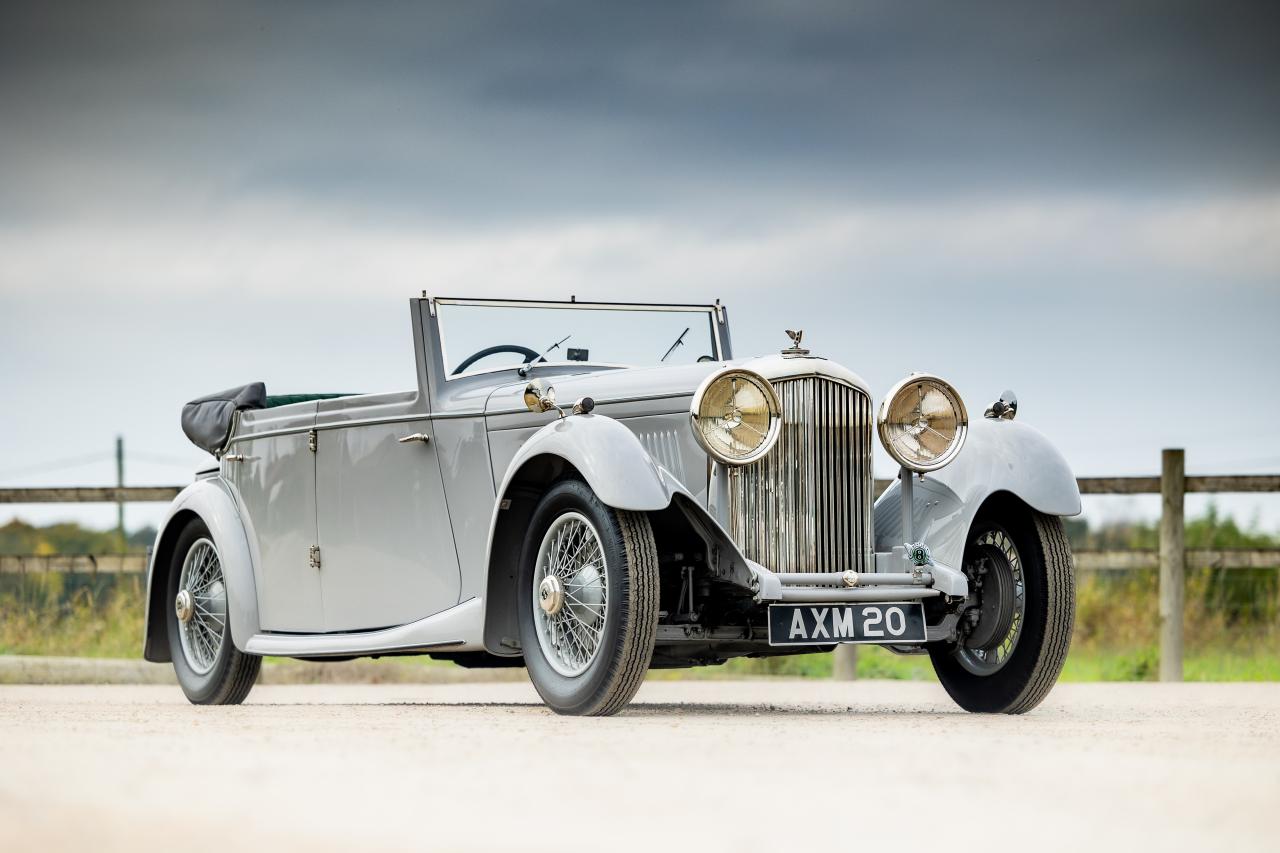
(1081, 202)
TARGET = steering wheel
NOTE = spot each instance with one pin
(529, 355)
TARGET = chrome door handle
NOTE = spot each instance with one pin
(234, 457)
(417, 436)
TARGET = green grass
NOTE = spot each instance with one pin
(1115, 640)
(71, 615)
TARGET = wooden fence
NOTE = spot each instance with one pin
(1172, 558)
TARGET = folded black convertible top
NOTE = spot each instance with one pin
(207, 420)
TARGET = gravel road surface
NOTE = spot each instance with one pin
(720, 765)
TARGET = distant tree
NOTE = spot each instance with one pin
(142, 538)
(19, 537)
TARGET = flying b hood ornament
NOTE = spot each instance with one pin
(795, 350)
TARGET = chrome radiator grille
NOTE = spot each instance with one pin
(806, 506)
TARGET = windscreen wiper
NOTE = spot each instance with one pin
(679, 341)
(524, 368)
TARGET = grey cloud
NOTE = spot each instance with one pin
(548, 110)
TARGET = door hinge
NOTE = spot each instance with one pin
(315, 557)
(313, 440)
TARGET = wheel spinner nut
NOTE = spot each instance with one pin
(184, 606)
(551, 595)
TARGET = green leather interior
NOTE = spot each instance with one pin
(274, 400)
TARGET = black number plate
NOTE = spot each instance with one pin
(821, 624)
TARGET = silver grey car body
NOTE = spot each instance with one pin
(393, 523)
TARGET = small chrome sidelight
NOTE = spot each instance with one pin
(1006, 408)
(539, 396)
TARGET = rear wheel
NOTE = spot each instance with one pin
(210, 670)
(588, 601)
(1014, 636)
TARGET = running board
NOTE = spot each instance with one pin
(457, 629)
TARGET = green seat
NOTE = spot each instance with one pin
(274, 400)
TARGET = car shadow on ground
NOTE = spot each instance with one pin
(653, 709)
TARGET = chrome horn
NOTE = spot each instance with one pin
(1006, 408)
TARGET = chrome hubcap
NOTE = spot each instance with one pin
(201, 607)
(571, 591)
(994, 627)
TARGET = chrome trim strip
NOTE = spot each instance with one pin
(270, 433)
(392, 419)
(444, 416)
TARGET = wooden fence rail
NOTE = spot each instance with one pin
(90, 494)
(91, 564)
(1172, 559)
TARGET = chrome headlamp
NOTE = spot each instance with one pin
(922, 422)
(736, 416)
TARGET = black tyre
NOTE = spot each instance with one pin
(588, 601)
(211, 671)
(1013, 643)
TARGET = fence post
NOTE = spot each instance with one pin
(844, 667)
(1173, 481)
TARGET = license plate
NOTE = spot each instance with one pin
(810, 624)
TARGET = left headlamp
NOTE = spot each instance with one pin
(736, 416)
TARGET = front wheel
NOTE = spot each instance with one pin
(1013, 638)
(210, 669)
(588, 601)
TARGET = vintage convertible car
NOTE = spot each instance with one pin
(687, 508)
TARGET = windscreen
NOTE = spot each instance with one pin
(479, 337)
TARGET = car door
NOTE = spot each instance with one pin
(275, 477)
(386, 545)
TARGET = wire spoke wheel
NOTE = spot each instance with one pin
(570, 594)
(588, 601)
(1013, 636)
(201, 607)
(996, 572)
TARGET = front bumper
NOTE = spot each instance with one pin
(895, 579)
